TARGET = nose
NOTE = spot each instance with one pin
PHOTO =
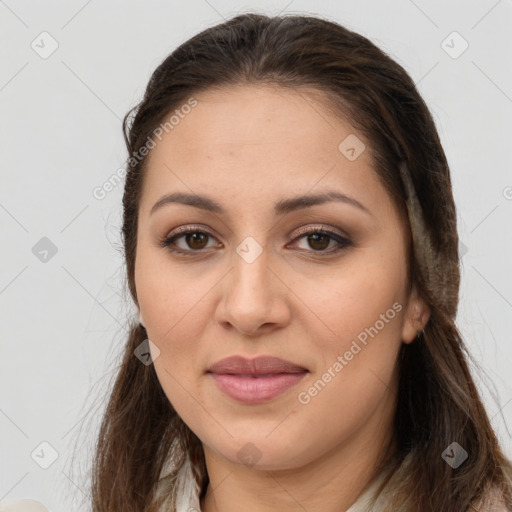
(254, 297)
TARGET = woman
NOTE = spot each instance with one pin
(291, 245)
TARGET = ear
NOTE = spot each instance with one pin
(417, 314)
(140, 319)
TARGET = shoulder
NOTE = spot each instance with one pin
(492, 502)
(23, 506)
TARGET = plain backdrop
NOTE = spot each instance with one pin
(70, 71)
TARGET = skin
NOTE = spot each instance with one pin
(248, 147)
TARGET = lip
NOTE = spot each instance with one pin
(263, 365)
(255, 380)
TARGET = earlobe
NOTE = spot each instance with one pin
(417, 316)
(141, 321)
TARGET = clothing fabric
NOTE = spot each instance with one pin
(23, 506)
(188, 496)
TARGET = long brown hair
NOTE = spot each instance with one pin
(438, 402)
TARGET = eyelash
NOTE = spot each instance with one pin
(168, 241)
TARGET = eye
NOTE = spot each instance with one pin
(319, 239)
(195, 240)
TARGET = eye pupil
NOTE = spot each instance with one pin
(313, 239)
(194, 237)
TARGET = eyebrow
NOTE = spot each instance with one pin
(281, 207)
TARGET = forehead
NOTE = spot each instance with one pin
(257, 142)
(250, 118)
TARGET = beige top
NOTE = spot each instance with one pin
(188, 496)
(23, 506)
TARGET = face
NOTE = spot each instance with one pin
(253, 278)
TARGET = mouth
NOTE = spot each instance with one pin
(257, 380)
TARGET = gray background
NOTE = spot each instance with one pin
(62, 320)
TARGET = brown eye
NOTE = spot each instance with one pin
(187, 241)
(318, 241)
(196, 239)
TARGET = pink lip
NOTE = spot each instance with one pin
(255, 380)
(262, 365)
(256, 389)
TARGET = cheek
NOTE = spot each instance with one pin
(175, 310)
(171, 298)
(361, 343)
(353, 298)
(356, 370)
(357, 334)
